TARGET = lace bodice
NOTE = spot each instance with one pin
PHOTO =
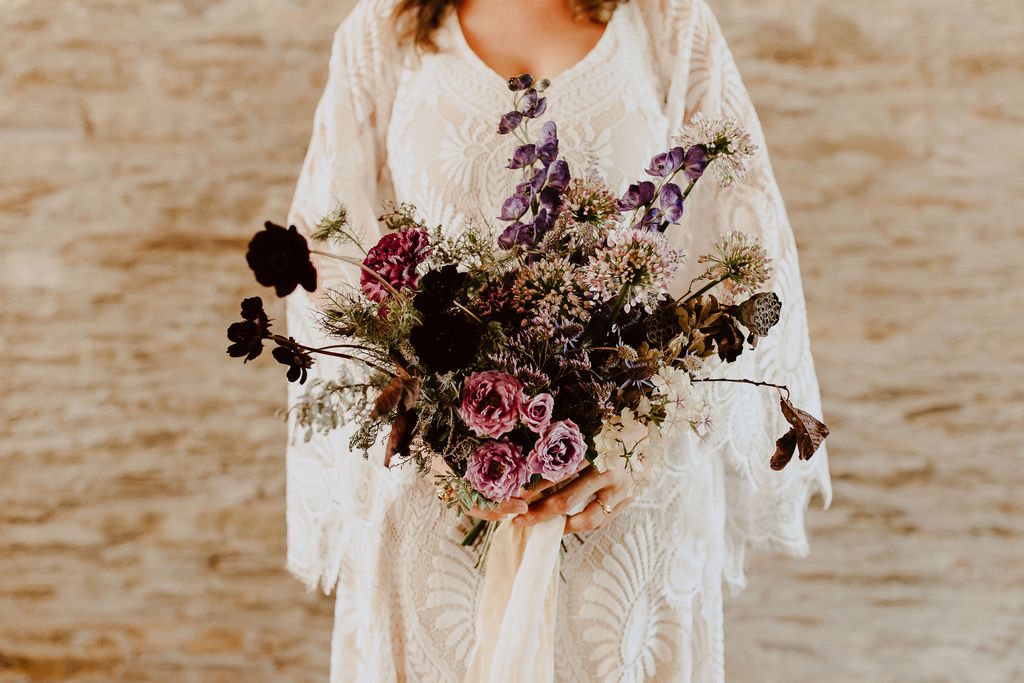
(642, 598)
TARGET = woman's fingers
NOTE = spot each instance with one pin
(513, 506)
(594, 516)
(537, 492)
(568, 498)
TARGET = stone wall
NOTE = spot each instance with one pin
(141, 511)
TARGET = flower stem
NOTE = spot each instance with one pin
(357, 262)
(780, 387)
(291, 343)
(688, 297)
(474, 532)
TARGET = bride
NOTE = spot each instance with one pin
(408, 115)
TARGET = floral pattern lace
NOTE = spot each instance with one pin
(642, 599)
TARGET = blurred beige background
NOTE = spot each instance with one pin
(142, 503)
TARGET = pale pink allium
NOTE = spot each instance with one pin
(558, 452)
(497, 470)
(537, 412)
(492, 402)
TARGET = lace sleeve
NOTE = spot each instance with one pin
(763, 508)
(329, 488)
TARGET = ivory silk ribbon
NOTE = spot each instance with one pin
(515, 620)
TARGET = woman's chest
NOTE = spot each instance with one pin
(443, 151)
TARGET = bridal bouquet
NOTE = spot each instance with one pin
(513, 351)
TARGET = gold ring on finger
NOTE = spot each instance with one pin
(604, 506)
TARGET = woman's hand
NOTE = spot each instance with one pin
(612, 492)
(512, 506)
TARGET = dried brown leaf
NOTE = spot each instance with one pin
(810, 431)
(400, 438)
(784, 449)
(388, 398)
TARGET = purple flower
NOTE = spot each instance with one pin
(509, 122)
(550, 199)
(558, 175)
(533, 105)
(491, 403)
(547, 145)
(537, 412)
(650, 220)
(671, 202)
(523, 156)
(394, 258)
(666, 163)
(497, 470)
(517, 83)
(637, 195)
(518, 233)
(695, 162)
(559, 452)
(514, 207)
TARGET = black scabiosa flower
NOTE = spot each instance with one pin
(298, 361)
(438, 289)
(247, 336)
(446, 341)
(280, 259)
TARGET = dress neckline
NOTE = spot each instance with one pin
(469, 55)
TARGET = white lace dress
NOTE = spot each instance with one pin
(642, 599)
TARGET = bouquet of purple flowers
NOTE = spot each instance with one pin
(514, 353)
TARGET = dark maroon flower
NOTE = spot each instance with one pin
(298, 361)
(558, 175)
(533, 105)
(446, 341)
(517, 83)
(671, 202)
(394, 258)
(666, 163)
(514, 207)
(438, 289)
(523, 156)
(637, 195)
(509, 122)
(248, 335)
(695, 162)
(280, 259)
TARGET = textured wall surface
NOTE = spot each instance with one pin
(141, 503)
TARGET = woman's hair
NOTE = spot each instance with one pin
(418, 19)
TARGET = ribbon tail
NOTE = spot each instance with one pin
(515, 621)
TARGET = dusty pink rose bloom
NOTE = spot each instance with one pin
(497, 470)
(537, 412)
(491, 403)
(558, 452)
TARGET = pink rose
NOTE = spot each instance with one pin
(537, 412)
(497, 470)
(491, 403)
(558, 452)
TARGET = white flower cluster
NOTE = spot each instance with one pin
(728, 144)
(641, 436)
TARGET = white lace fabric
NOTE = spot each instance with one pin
(642, 599)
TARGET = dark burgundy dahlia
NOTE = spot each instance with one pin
(394, 258)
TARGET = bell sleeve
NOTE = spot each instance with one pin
(331, 491)
(763, 508)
